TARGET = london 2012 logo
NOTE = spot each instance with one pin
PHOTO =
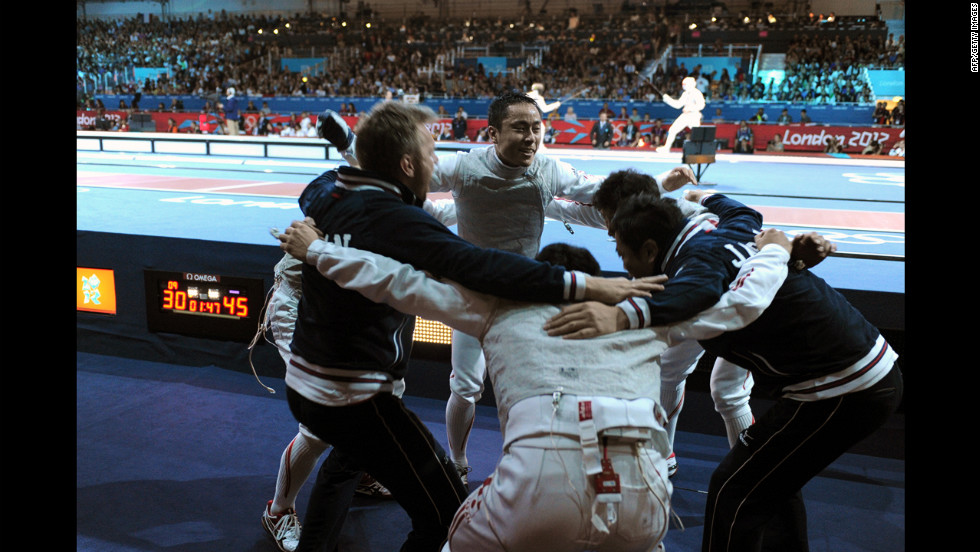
(95, 290)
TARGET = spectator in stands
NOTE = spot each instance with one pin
(305, 120)
(442, 113)
(306, 129)
(289, 129)
(718, 118)
(804, 118)
(265, 127)
(629, 137)
(265, 111)
(658, 133)
(832, 145)
(775, 143)
(744, 139)
(881, 116)
(784, 117)
(459, 126)
(898, 150)
(250, 108)
(570, 116)
(602, 132)
(232, 112)
(607, 110)
(344, 111)
(549, 132)
(176, 105)
(874, 148)
(703, 84)
(898, 112)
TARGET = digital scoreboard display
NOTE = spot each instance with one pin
(203, 305)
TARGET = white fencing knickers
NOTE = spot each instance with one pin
(543, 496)
(684, 120)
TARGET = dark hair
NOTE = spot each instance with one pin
(620, 185)
(646, 216)
(570, 257)
(499, 106)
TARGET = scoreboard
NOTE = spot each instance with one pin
(203, 305)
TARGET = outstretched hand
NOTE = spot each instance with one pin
(613, 290)
(677, 178)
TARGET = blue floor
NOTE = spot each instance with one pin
(172, 458)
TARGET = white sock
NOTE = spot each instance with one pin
(672, 399)
(460, 414)
(295, 466)
(741, 419)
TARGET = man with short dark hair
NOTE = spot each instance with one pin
(602, 132)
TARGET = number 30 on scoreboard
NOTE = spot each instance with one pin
(202, 305)
(195, 300)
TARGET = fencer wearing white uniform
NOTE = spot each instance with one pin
(503, 207)
(543, 104)
(583, 463)
(690, 103)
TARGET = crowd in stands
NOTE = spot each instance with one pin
(208, 54)
(595, 58)
(893, 117)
